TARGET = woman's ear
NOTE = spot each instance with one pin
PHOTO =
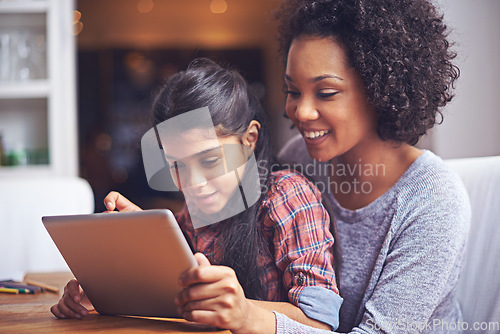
(251, 135)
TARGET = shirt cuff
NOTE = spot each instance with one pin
(285, 325)
(321, 304)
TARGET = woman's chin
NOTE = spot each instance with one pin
(319, 155)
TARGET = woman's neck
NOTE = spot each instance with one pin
(361, 175)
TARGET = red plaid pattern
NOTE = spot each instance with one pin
(296, 226)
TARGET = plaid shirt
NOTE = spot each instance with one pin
(296, 227)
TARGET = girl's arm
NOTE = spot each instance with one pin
(303, 250)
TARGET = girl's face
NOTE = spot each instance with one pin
(202, 166)
(326, 99)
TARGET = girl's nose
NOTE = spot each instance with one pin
(194, 177)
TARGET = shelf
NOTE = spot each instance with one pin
(21, 7)
(27, 170)
(39, 114)
(23, 90)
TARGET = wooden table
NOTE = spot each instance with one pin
(31, 314)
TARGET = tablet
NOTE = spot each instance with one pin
(128, 263)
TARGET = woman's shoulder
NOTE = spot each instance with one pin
(430, 176)
(432, 193)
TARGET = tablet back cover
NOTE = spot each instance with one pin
(127, 263)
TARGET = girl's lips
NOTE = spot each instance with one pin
(204, 199)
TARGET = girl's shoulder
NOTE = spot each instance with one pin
(290, 195)
(291, 188)
(286, 180)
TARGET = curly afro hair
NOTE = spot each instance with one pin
(399, 47)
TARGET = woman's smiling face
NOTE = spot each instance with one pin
(326, 98)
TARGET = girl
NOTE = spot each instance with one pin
(273, 256)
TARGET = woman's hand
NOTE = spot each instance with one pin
(115, 200)
(73, 303)
(212, 295)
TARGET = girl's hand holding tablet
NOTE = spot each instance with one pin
(73, 303)
(212, 295)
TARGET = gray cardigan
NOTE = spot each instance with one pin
(401, 255)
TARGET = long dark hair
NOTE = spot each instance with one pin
(232, 106)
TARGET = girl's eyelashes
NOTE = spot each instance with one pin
(205, 162)
(210, 162)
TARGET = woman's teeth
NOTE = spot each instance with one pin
(315, 134)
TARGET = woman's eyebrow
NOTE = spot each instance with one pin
(325, 76)
(316, 79)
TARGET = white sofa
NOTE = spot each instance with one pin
(479, 289)
(25, 245)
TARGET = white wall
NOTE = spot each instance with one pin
(471, 126)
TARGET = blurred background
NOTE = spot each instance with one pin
(120, 51)
(127, 48)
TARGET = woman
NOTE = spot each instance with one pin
(364, 81)
(272, 251)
